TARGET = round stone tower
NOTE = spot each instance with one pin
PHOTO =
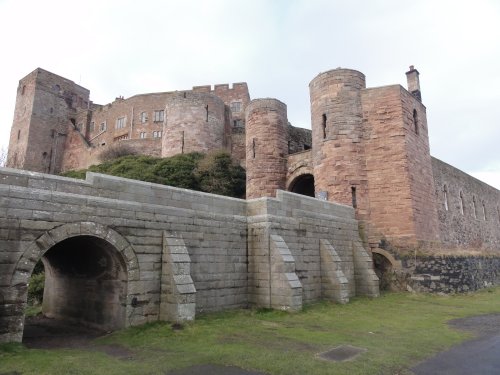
(337, 136)
(266, 147)
(193, 122)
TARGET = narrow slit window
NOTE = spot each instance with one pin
(354, 198)
(206, 108)
(182, 143)
(474, 207)
(484, 211)
(415, 121)
(445, 193)
(324, 126)
(253, 148)
(18, 134)
(461, 201)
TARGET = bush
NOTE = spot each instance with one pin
(219, 174)
(214, 173)
(35, 288)
(116, 151)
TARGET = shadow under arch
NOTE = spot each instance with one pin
(384, 265)
(303, 184)
(88, 268)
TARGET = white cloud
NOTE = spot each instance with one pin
(128, 47)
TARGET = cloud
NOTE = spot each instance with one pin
(128, 47)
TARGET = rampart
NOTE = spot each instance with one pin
(137, 252)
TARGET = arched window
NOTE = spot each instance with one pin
(462, 205)
(445, 194)
(324, 126)
(474, 207)
(415, 120)
(484, 211)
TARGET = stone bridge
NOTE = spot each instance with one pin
(119, 252)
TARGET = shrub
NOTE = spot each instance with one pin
(116, 151)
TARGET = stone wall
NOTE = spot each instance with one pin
(469, 210)
(167, 253)
(449, 274)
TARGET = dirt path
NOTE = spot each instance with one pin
(478, 356)
(44, 333)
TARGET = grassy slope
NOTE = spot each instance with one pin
(397, 329)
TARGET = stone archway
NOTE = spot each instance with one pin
(88, 269)
(303, 184)
(385, 266)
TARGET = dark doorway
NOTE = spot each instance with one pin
(85, 283)
(303, 184)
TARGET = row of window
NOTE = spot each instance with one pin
(156, 134)
(462, 205)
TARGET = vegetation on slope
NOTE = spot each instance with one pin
(214, 172)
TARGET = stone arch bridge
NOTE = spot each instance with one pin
(119, 252)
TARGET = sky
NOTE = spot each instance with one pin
(127, 47)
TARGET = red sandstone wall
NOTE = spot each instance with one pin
(266, 147)
(337, 136)
(53, 101)
(188, 126)
(402, 208)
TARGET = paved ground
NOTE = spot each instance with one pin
(478, 356)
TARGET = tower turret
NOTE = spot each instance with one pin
(337, 135)
(194, 121)
(266, 147)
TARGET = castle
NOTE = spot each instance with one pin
(120, 252)
(368, 148)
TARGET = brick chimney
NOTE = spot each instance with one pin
(414, 82)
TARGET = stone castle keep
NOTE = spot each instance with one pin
(119, 252)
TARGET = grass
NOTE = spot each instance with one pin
(399, 330)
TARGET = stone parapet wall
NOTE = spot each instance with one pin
(468, 209)
(191, 251)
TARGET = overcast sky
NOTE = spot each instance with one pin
(129, 47)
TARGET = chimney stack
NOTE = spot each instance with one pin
(414, 82)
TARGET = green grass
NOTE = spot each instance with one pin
(398, 330)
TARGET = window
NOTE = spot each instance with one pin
(144, 117)
(206, 108)
(445, 193)
(23, 90)
(238, 123)
(461, 201)
(157, 134)
(120, 123)
(102, 127)
(236, 107)
(324, 126)
(51, 110)
(307, 147)
(415, 120)
(18, 134)
(158, 116)
(253, 148)
(142, 135)
(354, 199)
(121, 137)
(92, 126)
(474, 207)
(484, 212)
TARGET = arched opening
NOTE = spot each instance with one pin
(383, 269)
(85, 284)
(303, 184)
